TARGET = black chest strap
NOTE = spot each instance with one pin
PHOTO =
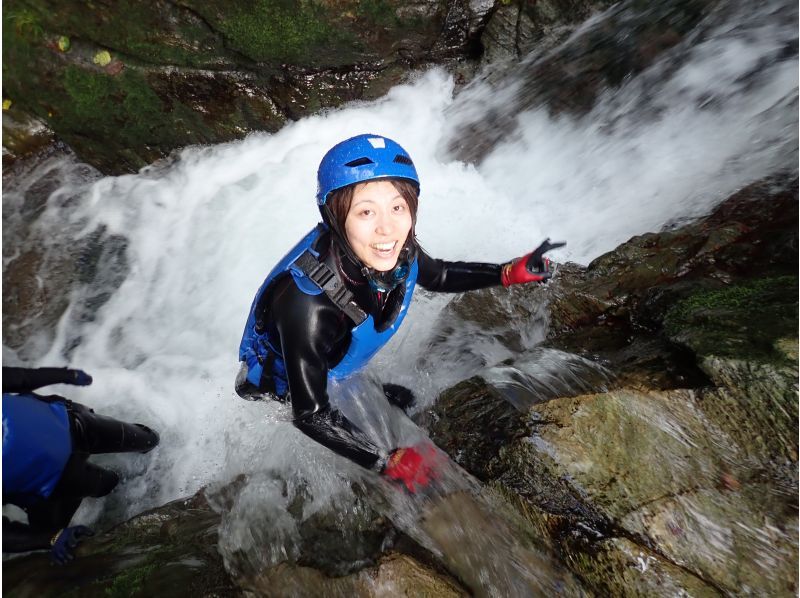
(331, 284)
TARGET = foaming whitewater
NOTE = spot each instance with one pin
(202, 231)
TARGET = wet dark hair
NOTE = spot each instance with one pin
(341, 200)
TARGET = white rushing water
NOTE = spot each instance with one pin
(203, 231)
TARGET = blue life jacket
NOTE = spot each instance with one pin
(365, 340)
(36, 445)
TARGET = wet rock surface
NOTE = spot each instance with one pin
(48, 259)
(128, 84)
(169, 551)
(682, 471)
(173, 551)
(125, 85)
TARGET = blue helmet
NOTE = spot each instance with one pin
(362, 158)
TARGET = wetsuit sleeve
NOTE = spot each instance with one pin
(18, 537)
(456, 277)
(28, 379)
(311, 328)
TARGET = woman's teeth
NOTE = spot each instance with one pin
(384, 247)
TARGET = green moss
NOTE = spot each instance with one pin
(89, 91)
(378, 11)
(165, 34)
(130, 582)
(23, 22)
(279, 31)
(741, 320)
(123, 108)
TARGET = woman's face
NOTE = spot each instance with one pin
(377, 224)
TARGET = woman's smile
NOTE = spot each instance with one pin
(378, 224)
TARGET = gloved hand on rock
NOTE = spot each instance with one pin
(65, 541)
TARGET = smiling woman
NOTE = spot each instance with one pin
(343, 291)
(377, 224)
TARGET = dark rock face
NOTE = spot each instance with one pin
(170, 551)
(124, 85)
(569, 79)
(173, 551)
(618, 304)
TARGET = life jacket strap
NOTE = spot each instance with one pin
(331, 284)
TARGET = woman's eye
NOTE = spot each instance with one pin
(366, 212)
(399, 208)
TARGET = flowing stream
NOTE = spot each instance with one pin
(184, 245)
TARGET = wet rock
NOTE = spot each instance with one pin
(615, 470)
(653, 463)
(167, 551)
(569, 79)
(619, 567)
(683, 473)
(23, 136)
(394, 575)
(53, 270)
(517, 28)
(174, 74)
(615, 309)
(174, 550)
(269, 521)
(752, 360)
(467, 528)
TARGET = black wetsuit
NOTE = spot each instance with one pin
(91, 434)
(313, 335)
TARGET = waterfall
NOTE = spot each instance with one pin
(178, 250)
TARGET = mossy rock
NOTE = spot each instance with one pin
(23, 136)
(141, 80)
(620, 567)
(745, 338)
(661, 470)
(167, 551)
(742, 320)
(648, 468)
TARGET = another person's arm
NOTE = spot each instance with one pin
(19, 537)
(29, 379)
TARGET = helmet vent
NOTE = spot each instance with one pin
(400, 159)
(359, 162)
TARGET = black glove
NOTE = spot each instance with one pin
(78, 378)
(537, 262)
(65, 541)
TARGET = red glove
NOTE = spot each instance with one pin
(533, 267)
(415, 467)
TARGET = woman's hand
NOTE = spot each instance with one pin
(533, 267)
(415, 467)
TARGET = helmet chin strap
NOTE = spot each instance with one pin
(380, 282)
